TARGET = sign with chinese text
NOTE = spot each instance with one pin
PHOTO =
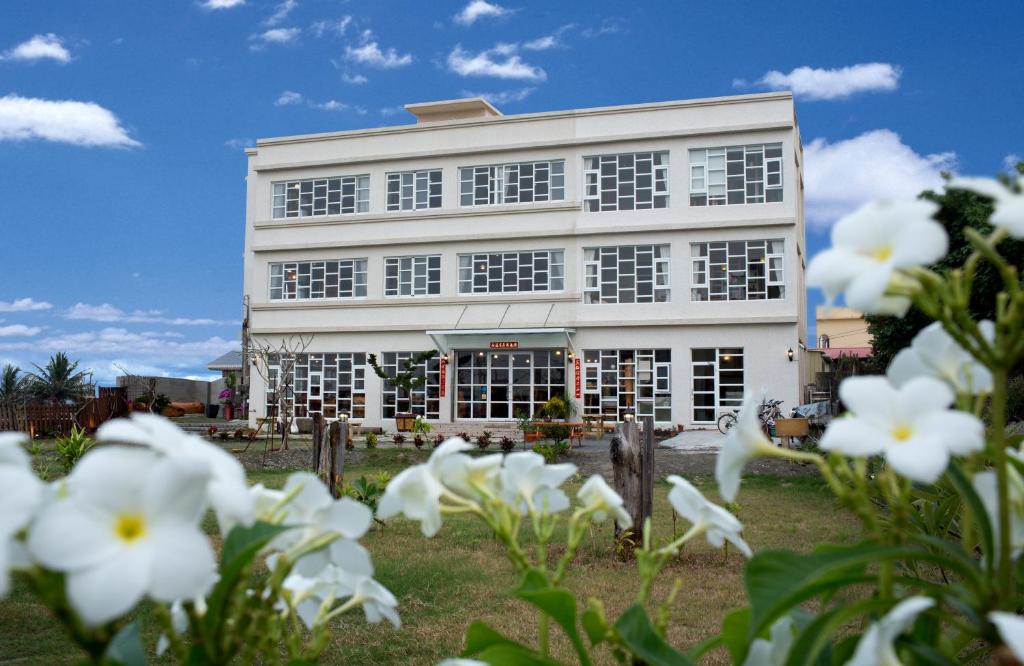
(505, 344)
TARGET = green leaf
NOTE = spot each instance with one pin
(509, 654)
(480, 637)
(556, 603)
(637, 633)
(736, 633)
(240, 548)
(981, 521)
(594, 625)
(126, 647)
(814, 638)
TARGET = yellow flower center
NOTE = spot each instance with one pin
(882, 253)
(902, 433)
(130, 527)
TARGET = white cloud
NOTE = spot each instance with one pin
(281, 12)
(354, 79)
(289, 98)
(608, 26)
(499, 62)
(331, 105)
(222, 4)
(122, 341)
(840, 177)
(371, 54)
(24, 305)
(554, 40)
(273, 36)
(340, 27)
(478, 9)
(39, 47)
(106, 312)
(391, 110)
(20, 330)
(503, 97)
(824, 84)
(64, 121)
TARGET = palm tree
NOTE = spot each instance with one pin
(59, 381)
(12, 387)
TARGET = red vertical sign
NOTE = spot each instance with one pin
(444, 374)
(576, 369)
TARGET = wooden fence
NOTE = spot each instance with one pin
(44, 420)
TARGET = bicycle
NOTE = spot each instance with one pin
(767, 412)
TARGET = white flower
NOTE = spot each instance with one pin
(744, 442)
(378, 602)
(416, 491)
(462, 662)
(912, 426)
(127, 528)
(1011, 630)
(227, 488)
(717, 524)
(598, 497)
(871, 243)
(20, 495)
(267, 503)
(531, 485)
(1009, 210)
(934, 353)
(875, 647)
(773, 651)
(472, 478)
(986, 485)
(318, 514)
(334, 583)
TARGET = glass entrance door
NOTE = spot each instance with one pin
(503, 385)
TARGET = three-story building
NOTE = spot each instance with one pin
(643, 259)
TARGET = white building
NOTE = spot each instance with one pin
(645, 258)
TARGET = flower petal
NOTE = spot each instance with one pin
(351, 557)
(922, 395)
(20, 493)
(918, 459)
(11, 452)
(68, 536)
(870, 395)
(112, 477)
(852, 436)
(960, 432)
(182, 563)
(110, 589)
(175, 490)
(866, 291)
(347, 517)
(906, 365)
(919, 243)
(1011, 630)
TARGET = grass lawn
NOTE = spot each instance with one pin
(462, 574)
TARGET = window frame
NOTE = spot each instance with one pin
(736, 176)
(319, 188)
(596, 181)
(428, 394)
(308, 366)
(464, 278)
(611, 382)
(661, 267)
(414, 261)
(279, 270)
(496, 179)
(409, 192)
(704, 278)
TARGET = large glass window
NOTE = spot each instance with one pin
(321, 196)
(628, 181)
(412, 276)
(736, 174)
(512, 272)
(626, 274)
(301, 280)
(507, 385)
(737, 271)
(414, 190)
(717, 382)
(522, 182)
(425, 400)
(621, 381)
(330, 384)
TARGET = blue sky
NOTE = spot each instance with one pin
(122, 124)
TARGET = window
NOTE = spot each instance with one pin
(512, 272)
(425, 400)
(344, 278)
(736, 174)
(737, 271)
(506, 385)
(414, 190)
(524, 182)
(626, 274)
(717, 382)
(329, 384)
(630, 181)
(412, 276)
(621, 381)
(322, 196)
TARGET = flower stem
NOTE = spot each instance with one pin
(1005, 571)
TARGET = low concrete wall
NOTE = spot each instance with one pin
(180, 390)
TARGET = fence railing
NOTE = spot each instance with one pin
(41, 420)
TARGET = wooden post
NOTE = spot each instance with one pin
(337, 439)
(318, 440)
(633, 477)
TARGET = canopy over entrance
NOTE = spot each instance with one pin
(502, 338)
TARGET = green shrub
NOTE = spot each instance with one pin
(371, 440)
(551, 450)
(70, 449)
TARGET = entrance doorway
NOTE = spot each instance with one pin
(504, 385)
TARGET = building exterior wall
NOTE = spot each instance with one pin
(765, 329)
(843, 327)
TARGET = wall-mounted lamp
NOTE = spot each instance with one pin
(789, 353)
(628, 416)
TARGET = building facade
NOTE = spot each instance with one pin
(643, 259)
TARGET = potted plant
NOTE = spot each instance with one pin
(226, 396)
(438, 440)
(407, 380)
(418, 441)
(398, 438)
